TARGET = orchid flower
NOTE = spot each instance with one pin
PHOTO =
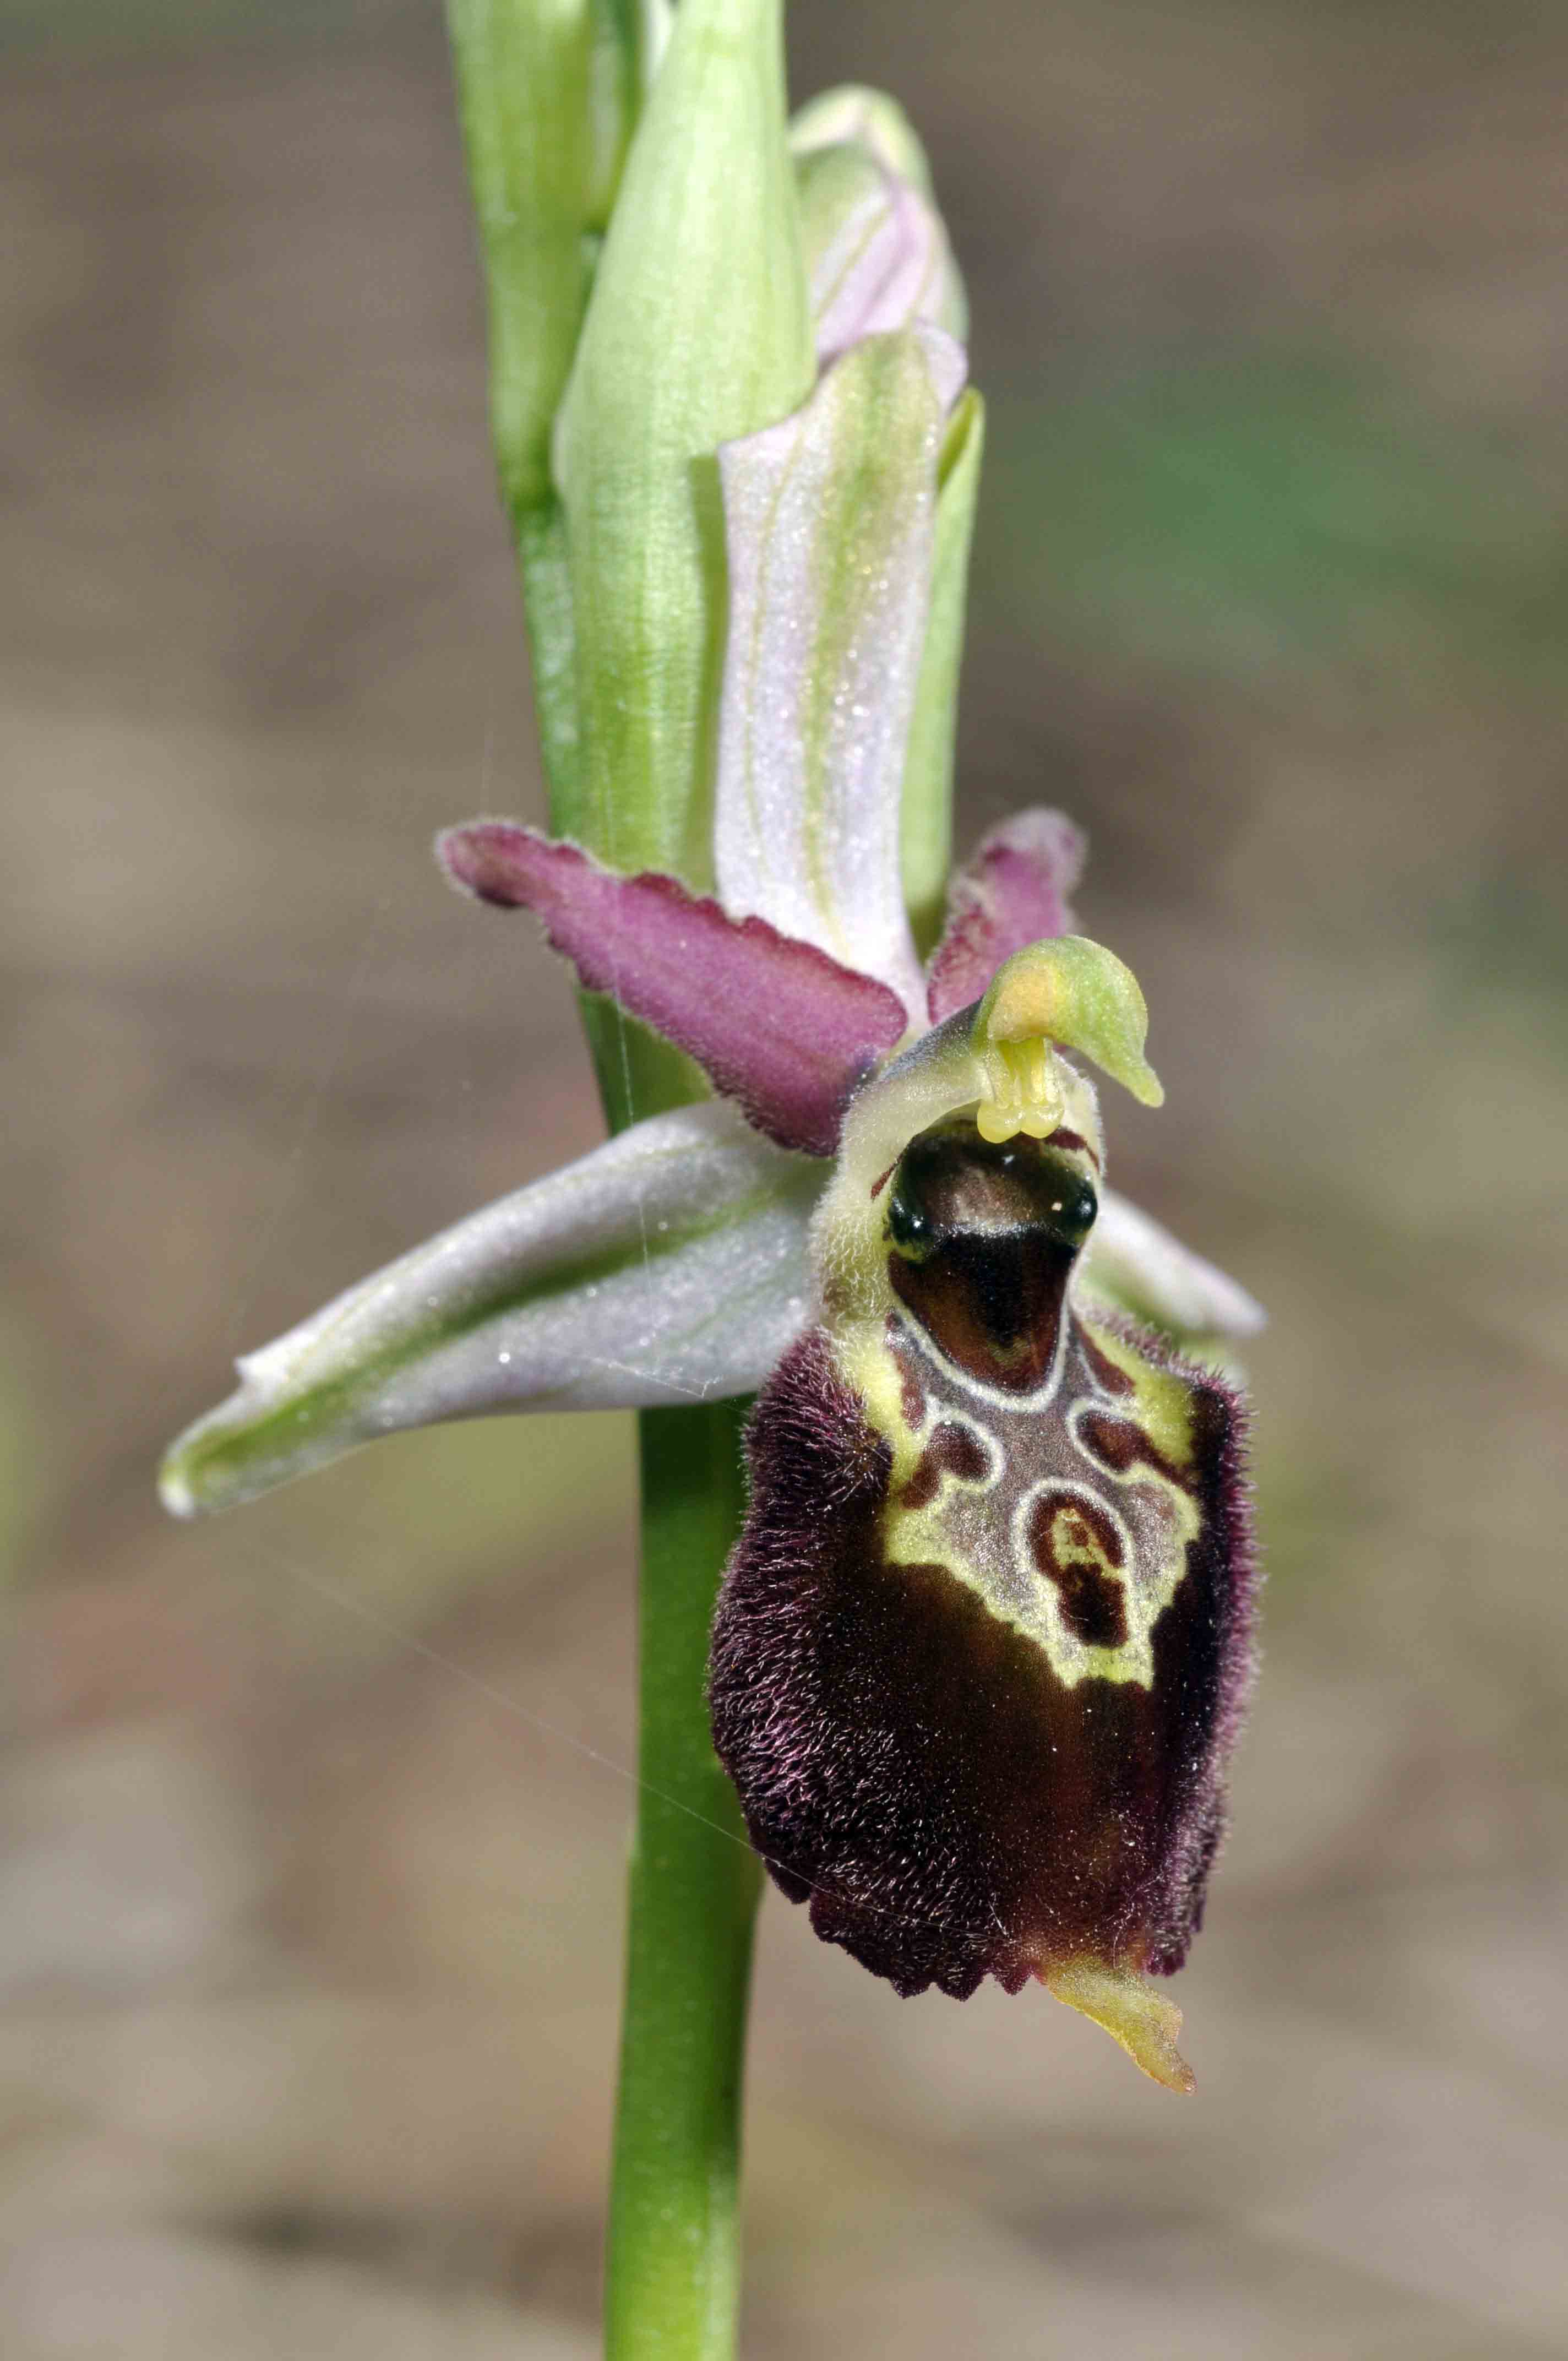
(982, 1647)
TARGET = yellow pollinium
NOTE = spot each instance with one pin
(1125, 2003)
(1023, 1090)
(1070, 994)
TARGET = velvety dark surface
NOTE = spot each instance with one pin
(913, 1765)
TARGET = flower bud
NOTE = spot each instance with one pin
(853, 115)
(546, 97)
(877, 257)
(548, 92)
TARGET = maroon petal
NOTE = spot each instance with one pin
(908, 1757)
(982, 1647)
(1012, 892)
(776, 1025)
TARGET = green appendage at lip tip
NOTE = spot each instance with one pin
(1122, 2001)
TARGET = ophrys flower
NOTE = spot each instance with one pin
(981, 1648)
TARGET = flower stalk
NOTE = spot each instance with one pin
(671, 2284)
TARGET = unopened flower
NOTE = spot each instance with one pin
(981, 1648)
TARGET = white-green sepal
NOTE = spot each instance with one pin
(1134, 1259)
(667, 1265)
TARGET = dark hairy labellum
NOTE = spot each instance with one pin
(982, 1648)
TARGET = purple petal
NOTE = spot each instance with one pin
(1012, 892)
(776, 1025)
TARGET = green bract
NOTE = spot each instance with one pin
(698, 331)
(544, 94)
(548, 93)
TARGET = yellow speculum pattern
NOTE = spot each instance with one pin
(980, 1527)
(1113, 1992)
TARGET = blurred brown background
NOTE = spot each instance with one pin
(311, 1821)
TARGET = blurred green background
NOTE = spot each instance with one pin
(312, 1822)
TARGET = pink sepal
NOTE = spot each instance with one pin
(776, 1025)
(1011, 892)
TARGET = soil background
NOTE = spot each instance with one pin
(312, 1821)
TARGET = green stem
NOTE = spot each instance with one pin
(672, 2264)
(673, 2279)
